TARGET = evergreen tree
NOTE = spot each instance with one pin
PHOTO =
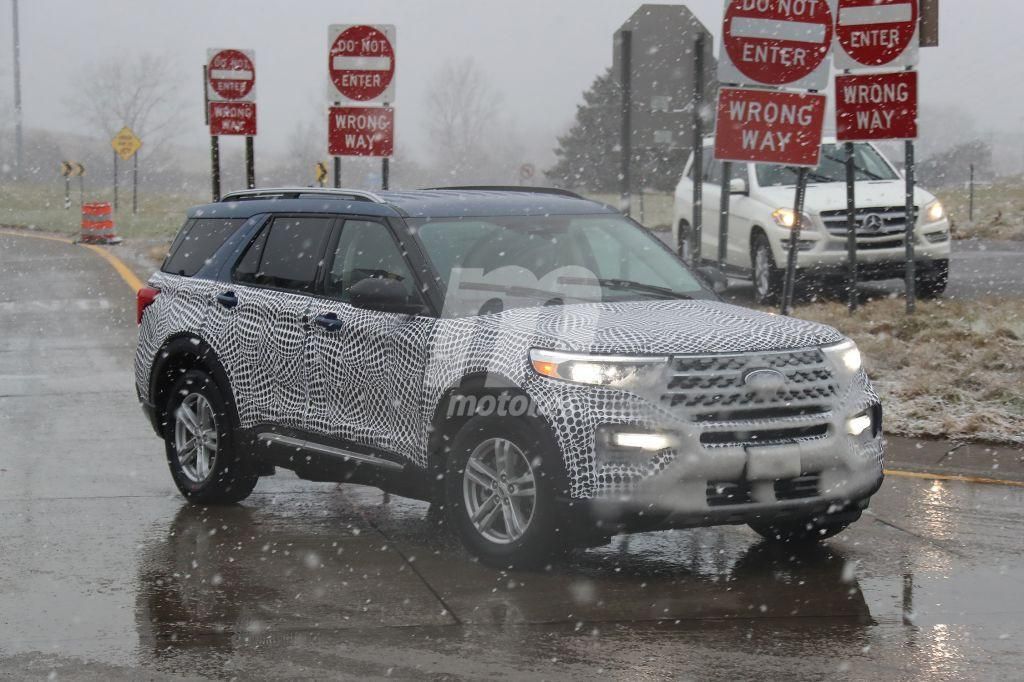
(588, 155)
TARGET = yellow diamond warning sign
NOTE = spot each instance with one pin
(126, 143)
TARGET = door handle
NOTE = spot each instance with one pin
(329, 321)
(227, 299)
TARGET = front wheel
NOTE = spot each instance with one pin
(767, 278)
(206, 466)
(932, 283)
(503, 480)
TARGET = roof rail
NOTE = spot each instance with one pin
(302, 193)
(513, 188)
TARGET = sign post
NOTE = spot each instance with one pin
(698, 153)
(126, 145)
(361, 84)
(626, 125)
(229, 82)
(65, 170)
(873, 34)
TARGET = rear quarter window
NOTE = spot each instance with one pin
(196, 243)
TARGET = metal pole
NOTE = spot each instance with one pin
(698, 150)
(135, 183)
(794, 242)
(215, 166)
(626, 136)
(970, 210)
(723, 215)
(67, 193)
(18, 142)
(385, 173)
(909, 238)
(851, 230)
(115, 181)
(250, 163)
(81, 190)
(337, 172)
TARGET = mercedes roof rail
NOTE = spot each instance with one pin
(510, 188)
(302, 193)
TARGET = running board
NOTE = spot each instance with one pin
(346, 455)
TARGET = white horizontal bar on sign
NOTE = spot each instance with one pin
(771, 29)
(230, 75)
(341, 63)
(876, 14)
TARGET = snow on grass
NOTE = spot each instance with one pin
(998, 212)
(953, 370)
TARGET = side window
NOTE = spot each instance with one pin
(285, 255)
(196, 244)
(713, 171)
(366, 249)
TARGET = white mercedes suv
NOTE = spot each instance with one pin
(761, 216)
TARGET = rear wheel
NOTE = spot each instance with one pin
(683, 239)
(767, 277)
(503, 480)
(201, 453)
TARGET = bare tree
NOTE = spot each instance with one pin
(143, 92)
(462, 118)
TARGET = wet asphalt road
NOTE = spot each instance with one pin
(105, 573)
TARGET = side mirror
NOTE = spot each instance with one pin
(714, 278)
(738, 186)
(383, 294)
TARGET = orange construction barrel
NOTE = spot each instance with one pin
(98, 224)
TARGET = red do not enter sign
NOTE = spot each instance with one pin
(361, 63)
(231, 76)
(777, 42)
(874, 33)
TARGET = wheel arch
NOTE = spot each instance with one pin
(179, 354)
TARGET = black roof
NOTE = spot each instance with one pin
(423, 203)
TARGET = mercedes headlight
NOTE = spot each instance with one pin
(845, 358)
(934, 212)
(786, 217)
(595, 370)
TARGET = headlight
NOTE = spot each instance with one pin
(596, 370)
(786, 217)
(845, 357)
(934, 212)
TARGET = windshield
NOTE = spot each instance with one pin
(489, 264)
(868, 165)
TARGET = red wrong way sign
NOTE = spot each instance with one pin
(361, 63)
(361, 131)
(876, 107)
(769, 126)
(777, 42)
(232, 118)
(230, 75)
(874, 33)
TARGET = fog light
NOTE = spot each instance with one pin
(859, 424)
(642, 441)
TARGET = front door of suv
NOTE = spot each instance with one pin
(260, 323)
(365, 367)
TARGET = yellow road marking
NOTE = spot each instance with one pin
(953, 477)
(123, 270)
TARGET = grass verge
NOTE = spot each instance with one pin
(998, 212)
(953, 370)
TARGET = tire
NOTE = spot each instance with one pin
(682, 245)
(932, 283)
(213, 471)
(802, 531)
(767, 277)
(513, 529)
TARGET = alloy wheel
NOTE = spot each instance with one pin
(499, 489)
(195, 437)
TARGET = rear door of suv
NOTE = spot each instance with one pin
(366, 366)
(258, 323)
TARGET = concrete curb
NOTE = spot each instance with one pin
(969, 461)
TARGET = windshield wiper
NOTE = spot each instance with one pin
(865, 171)
(630, 285)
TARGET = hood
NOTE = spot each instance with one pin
(832, 196)
(660, 328)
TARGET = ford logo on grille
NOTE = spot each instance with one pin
(765, 383)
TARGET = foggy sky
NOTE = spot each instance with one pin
(539, 54)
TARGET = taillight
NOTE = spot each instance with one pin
(143, 299)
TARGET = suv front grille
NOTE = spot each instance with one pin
(729, 493)
(712, 388)
(891, 222)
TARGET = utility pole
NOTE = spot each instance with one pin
(17, 90)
